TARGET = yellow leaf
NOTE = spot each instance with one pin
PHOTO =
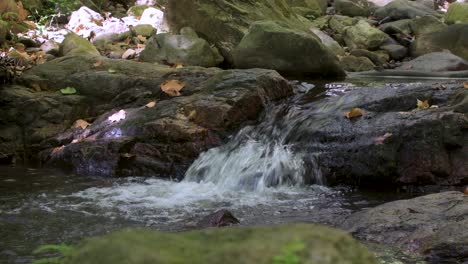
(192, 115)
(422, 104)
(81, 123)
(151, 104)
(355, 112)
(465, 84)
(172, 87)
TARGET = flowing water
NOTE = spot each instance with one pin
(255, 175)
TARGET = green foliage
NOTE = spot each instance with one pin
(290, 253)
(62, 249)
(68, 91)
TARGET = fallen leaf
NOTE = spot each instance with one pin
(111, 70)
(127, 155)
(81, 123)
(355, 112)
(380, 140)
(172, 87)
(422, 104)
(120, 115)
(97, 63)
(141, 38)
(77, 140)
(58, 150)
(465, 84)
(178, 65)
(434, 106)
(192, 115)
(151, 104)
(68, 91)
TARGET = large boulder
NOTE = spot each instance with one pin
(364, 36)
(76, 45)
(160, 140)
(436, 62)
(426, 25)
(434, 225)
(393, 143)
(457, 13)
(186, 48)
(401, 9)
(453, 38)
(226, 22)
(329, 42)
(268, 45)
(352, 8)
(254, 245)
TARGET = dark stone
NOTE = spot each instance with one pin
(219, 219)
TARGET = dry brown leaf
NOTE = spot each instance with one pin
(192, 115)
(465, 190)
(58, 150)
(380, 140)
(355, 112)
(172, 87)
(127, 155)
(97, 63)
(22, 13)
(422, 104)
(151, 104)
(78, 28)
(465, 84)
(178, 65)
(80, 123)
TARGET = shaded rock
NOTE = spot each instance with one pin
(76, 45)
(402, 9)
(187, 49)
(225, 245)
(225, 22)
(162, 140)
(364, 36)
(436, 62)
(352, 8)
(375, 57)
(329, 42)
(396, 52)
(393, 144)
(27, 42)
(457, 13)
(50, 47)
(397, 27)
(425, 25)
(356, 64)
(268, 45)
(453, 38)
(434, 225)
(218, 219)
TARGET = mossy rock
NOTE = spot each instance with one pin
(356, 64)
(273, 244)
(457, 13)
(137, 10)
(76, 45)
(364, 36)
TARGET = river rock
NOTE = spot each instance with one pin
(393, 144)
(434, 225)
(457, 13)
(356, 64)
(160, 140)
(378, 58)
(76, 45)
(268, 45)
(401, 9)
(397, 27)
(396, 51)
(426, 25)
(329, 42)
(364, 36)
(249, 245)
(307, 8)
(186, 48)
(84, 19)
(436, 62)
(338, 25)
(218, 219)
(453, 38)
(352, 8)
(226, 22)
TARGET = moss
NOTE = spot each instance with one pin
(457, 13)
(137, 11)
(228, 245)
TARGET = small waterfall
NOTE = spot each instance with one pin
(257, 157)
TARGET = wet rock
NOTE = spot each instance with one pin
(268, 45)
(352, 8)
(364, 36)
(76, 45)
(377, 58)
(436, 62)
(399, 30)
(244, 245)
(402, 9)
(457, 13)
(329, 42)
(435, 226)
(161, 140)
(426, 25)
(453, 38)
(392, 144)
(186, 49)
(219, 219)
(396, 51)
(356, 64)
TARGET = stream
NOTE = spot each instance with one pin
(255, 175)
